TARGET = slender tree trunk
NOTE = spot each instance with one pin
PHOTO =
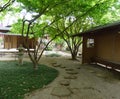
(35, 65)
(74, 56)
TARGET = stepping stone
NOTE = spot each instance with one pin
(53, 63)
(78, 68)
(61, 91)
(74, 90)
(91, 71)
(69, 69)
(72, 72)
(65, 82)
(70, 77)
(101, 75)
(62, 67)
(56, 65)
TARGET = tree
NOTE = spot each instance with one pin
(79, 21)
(73, 43)
(58, 11)
(29, 27)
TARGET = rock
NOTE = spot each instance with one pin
(101, 75)
(61, 91)
(74, 90)
(70, 77)
(78, 68)
(62, 67)
(91, 71)
(53, 63)
(65, 82)
(69, 69)
(72, 72)
(56, 65)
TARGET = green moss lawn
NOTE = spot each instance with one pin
(16, 80)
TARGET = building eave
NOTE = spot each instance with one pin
(109, 28)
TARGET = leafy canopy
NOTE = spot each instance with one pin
(96, 11)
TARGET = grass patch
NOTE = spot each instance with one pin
(53, 55)
(16, 80)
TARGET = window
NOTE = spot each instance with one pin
(90, 43)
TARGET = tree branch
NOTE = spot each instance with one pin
(2, 8)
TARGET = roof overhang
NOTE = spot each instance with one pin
(109, 28)
(11, 34)
(4, 29)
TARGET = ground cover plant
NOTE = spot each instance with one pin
(16, 80)
(53, 55)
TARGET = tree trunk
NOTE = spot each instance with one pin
(74, 56)
(35, 66)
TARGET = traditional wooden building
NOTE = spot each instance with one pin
(102, 45)
(14, 40)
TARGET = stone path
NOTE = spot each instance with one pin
(77, 81)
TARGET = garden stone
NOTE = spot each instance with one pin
(20, 54)
(65, 82)
(62, 67)
(72, 72)
(53, 63)
(69, 69)
(61, 91)
(91, 71)
(78, 68)
(74, 90)
(70, 77)
(57, 65)
(101, 75)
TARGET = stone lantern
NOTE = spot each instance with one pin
(20, 54)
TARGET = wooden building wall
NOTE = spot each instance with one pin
(106, 46)
(11, 41)
(22, 40)
(87, 53)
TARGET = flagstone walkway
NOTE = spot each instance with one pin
(77, 81)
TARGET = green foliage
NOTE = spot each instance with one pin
(17, 80)
(56, 9)
(17, 27)
(64, 18)
(105, 12)
(112, 14)
(2, 15)
(8, 10)
(35, 30)
(48, 48)
(4, 7)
